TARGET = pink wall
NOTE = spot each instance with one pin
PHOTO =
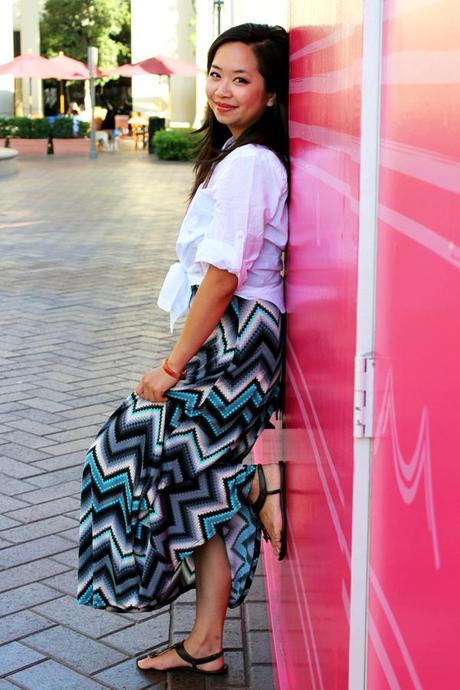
(413, 619)
(415, 508)
(309, 591)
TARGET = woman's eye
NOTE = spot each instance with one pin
(241, 80)
(214, 74)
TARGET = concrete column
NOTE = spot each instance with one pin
(30, 42)
(205, 35)
(161, 28)
(6, 55)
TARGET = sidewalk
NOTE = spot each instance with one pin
(85, 246)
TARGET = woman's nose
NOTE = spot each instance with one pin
(223, 88)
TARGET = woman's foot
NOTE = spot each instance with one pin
(270, 515)
(169, 657)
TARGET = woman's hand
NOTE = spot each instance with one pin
(153, 384)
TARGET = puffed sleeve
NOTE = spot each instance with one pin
(245, 195)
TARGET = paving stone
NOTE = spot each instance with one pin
(15, 468)
(33, 427)
(8, 503)
(21, 623)
(236, 676)
(11, 487)
(49, 675)
(25, 439)
(65, 582)
(21, 453)
(67, 557)
(256, 616)
(7, 523)
(126, 676)
(6, 685)
(186, 681)
(59, 476)
(44, 510)
(83, 619)
(14, 656)
(83, 432)
(261, 677)
(41, 528)
(24, 597)
(32, 550)
(141, 637)
(41, 495)
(257, 591)
(63, 461)
(259, 647)
(74, 649)
(69, 447)
(47, 405)
(30, 572)
(72, 535)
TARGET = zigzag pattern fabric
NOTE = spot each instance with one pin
(161, 479)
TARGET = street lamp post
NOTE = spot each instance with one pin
(218, 6)
(92, 65)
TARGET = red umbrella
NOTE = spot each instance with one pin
(155, 65)
(27, 66)
(63, 67)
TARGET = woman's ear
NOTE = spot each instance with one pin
(271, 101)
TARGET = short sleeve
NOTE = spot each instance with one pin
(245, 193)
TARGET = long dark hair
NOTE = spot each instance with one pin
(271, 48)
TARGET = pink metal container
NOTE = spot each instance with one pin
(366, 597)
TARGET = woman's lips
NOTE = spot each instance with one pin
(224, 107)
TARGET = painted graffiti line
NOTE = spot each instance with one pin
(409, 472)
(327, 452)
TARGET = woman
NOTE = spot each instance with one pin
(167, 504)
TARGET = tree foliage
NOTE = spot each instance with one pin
(73, 25)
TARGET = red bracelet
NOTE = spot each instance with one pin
(171, 372)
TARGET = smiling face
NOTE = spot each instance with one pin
(235, 88)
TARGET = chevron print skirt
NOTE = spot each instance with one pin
(161, 479)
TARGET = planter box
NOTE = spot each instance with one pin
(38, 147)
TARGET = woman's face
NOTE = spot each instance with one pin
(235, 88)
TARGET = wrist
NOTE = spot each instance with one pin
(171, 370)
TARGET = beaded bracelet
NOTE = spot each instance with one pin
(171, 372)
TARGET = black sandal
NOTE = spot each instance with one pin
(260, 500)
(180, 649)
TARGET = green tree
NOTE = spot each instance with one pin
(73, 25)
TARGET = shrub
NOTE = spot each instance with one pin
(175, 145)
(40, 128)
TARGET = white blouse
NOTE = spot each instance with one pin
(239, 223)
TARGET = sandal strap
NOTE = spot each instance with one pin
(263, 493)
(260, 500)
(195, 660)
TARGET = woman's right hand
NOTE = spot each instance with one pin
(153, 385)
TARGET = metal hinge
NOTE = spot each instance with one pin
(364, 396)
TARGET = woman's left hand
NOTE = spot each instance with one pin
(153, 384)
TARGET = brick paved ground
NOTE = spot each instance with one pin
(84, 246)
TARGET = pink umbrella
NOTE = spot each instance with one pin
(155, 65)
(27, 66)
(63, 67)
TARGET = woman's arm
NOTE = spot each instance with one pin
(209, 304)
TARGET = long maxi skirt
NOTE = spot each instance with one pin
(161, 479)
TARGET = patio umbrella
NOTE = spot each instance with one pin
(157, 65)
(27, 66)
(63, 67)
